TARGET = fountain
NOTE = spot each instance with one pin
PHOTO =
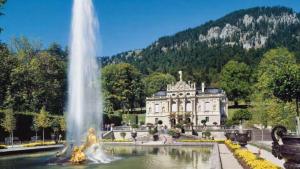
(84, 111)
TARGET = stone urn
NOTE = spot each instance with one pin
(227, 134)
(243, 136)
(232, 135)
(133, 134)
(155, 137)
(289, 150)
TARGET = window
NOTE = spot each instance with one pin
(174, 107)
(157, 108)
(214, 107)
(149, 111)
(180, 94)
(199, 107)
(188, 94)
(156, 120)
(207, 107)
(188, 106)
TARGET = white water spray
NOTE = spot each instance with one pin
(84, 102)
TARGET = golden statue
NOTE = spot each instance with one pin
(78, 156)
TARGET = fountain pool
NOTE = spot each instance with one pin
(130, 157)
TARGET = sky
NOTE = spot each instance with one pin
(124, 24)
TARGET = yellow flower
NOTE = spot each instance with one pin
(249, 158)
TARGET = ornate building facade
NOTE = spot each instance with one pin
(184, 102)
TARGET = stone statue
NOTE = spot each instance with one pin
(180, 75)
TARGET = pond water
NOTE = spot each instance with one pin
(128, 157)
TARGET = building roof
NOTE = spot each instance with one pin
(160, 93)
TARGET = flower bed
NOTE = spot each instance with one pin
(40, 143)
(248, 159)
(202, 141)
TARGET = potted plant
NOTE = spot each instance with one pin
(123, 135)
(175, 133)
(242, 135)
(134, 132)
(206, 134)
(154, 133)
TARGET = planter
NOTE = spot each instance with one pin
(227, 134)
(133, 134)
(232, 135)
(155, 137)
(289, 150)
(243, 137)
(176, 135)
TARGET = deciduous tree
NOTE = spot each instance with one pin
(235, 80)
(9, 123)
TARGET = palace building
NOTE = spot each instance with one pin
(184, 102)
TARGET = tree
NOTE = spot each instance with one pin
(272, 61)
(62, 124)
(7, 64)
(277, 85)
(286, 86)
(156, 82)
(9, 123)
(41, 81)
(235, 80)
(34, 128)
(122, 85)
(42, 120)
(2, 2)
(241, 115)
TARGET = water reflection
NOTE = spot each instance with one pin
(131, 157)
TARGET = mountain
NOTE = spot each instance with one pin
(243, 35)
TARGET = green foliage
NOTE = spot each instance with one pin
(42, 119)
(235, 80)
(2, 2)
(135, 126)
(156, 82)
(277, 76)
(37, 79)
(153, 131)
(8, 123)
(7, 64)
(206, 134)
(62, 124)
(241, 115)
(55, 124)
(272, 61)
(174, 133)
(179, 125)
(285, 83)
(122, 86)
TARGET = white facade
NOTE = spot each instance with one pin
(183, 102)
